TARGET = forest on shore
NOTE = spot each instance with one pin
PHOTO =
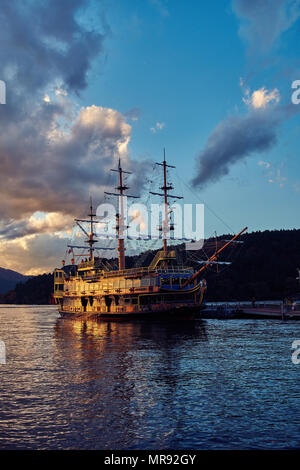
(264, 266)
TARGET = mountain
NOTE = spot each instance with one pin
(9, 279)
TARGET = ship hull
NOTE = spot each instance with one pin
(180, 313)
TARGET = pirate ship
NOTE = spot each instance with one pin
(164, 289)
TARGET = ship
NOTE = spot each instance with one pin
(165, 289)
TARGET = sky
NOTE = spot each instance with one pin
(89, 82)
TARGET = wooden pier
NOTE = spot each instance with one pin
(260, 310)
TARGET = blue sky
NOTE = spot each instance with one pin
(89, 81)
(180, 64)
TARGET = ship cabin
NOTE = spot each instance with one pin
(91, 288)
(95, 287)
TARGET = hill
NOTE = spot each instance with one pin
(264, 266)
(36, 290)
(9, 279)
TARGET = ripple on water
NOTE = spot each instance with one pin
(199, 385)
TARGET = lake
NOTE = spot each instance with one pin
(203, 384)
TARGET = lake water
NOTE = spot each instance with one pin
(211, 384)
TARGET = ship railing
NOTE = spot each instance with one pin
(135, 272)
(88, 264)
(147, 270)
(160, 256)
(111, 290)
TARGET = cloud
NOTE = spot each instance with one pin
(46, 42)
(33, 254)
(158, 127)
(239, 136)
(47, 49)
(53, 153)
(47, 165)
(260, 98)
(232, 140)
(37, 223)
(263, 21)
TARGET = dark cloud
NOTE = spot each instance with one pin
(48, 168)
(43, 42)
(52, 155)
(237, 137)
(234, 139)
(263, 21)
(36, 224)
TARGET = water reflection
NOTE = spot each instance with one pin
(100, 349)
(190, 385)
(121, 373)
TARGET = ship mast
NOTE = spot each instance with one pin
(120, 215)
(165, 227)
(91, 240)
(120, 220)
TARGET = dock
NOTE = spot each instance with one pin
(277, 310)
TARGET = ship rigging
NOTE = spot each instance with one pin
(163, 289)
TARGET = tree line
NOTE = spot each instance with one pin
(263, 267)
